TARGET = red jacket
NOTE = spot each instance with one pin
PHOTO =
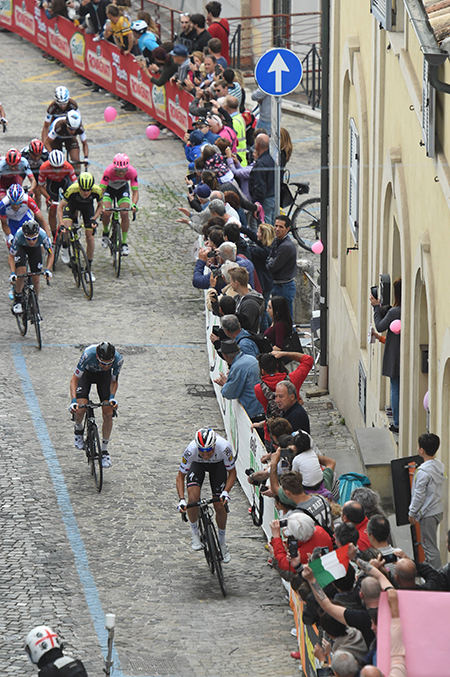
(320, 539)
(363, 542)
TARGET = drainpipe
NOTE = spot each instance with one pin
(428, 43)
(324, 193)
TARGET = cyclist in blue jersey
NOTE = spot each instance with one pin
(99, 364)
(27, 246)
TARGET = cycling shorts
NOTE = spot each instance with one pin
(86, 211)
(102, 380)
(54, 186)
(7, 181)
(70, 144)
(34, 256)
(217, 476)
(122, 195)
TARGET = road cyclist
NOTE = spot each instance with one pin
(55, 177)
(99, 364)
(116, 181)
(80, 197)
(12, 167)
(16, 208)
(58, 108)
(63, 133)
(45, 649)
(26, 246)
(36, 154)
(211, 453)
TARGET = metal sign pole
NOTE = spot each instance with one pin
(277, 160)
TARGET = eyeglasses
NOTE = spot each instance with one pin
(206, 450)
(105, 364)
(34, 237)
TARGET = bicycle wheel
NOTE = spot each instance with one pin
(22, 318)
(116, 244)
(203, 522)
(56, 249)
(95, 456)
(216, 553)
(306, 223)
(84, 272)
(35, 317)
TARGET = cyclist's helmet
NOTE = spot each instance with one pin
(56, 158)
(15, 193)
(30, 228)
(139, 26)
(13, 157)
(121, 161)
(106, 352)
(85, 181)
(36, 147)
(62, 95)
(205, 439)
(40, 640)
(73, 119)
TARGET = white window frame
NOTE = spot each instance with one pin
(428, 112)
(353, 180)
(382, 11)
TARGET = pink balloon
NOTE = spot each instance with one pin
(152, 132)
(426, 401)
(110, 114)
(317, 247)
(395, 326)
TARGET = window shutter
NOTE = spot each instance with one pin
(353, 183)
(428, 112)
(382, 11)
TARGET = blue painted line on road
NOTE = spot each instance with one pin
(62, 495)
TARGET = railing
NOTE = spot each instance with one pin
(312, 77)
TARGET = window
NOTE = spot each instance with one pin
(428, 112)
(353, 187)
(382, 11)
(362, 390)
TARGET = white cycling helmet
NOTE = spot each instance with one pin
(40, 640)
(62, 95)
(205, 439)
(73, 118)
(56, 158)
(139, 26)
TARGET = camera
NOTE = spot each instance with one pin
(207, 96)
(216, 271)
(293, 546)
(374, 292)
(324, 672)
(257, 483)
(283, 523)
(218, 70)
(211, 254)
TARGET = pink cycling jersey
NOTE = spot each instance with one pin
(111, 179)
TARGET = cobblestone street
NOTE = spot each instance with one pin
(68, 554)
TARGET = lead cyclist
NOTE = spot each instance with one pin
(116, 182)
(211, 453)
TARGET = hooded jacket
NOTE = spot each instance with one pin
(427, 490)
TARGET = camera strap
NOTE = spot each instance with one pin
(325, 527)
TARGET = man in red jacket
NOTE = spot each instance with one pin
(353, 512)
(217, 27)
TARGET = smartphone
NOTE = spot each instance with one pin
(191, 176)
(324, 672)
(218, 69)
(374, 292)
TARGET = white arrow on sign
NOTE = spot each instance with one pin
(278, 66)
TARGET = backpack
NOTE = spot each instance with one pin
(272, 410)
(350, 481)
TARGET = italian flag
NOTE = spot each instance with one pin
(330, 567)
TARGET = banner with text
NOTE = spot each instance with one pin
(101, 62)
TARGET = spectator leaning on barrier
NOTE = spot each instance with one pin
(231, 106)
(119, 27)
(241, 380)
(289, 406)
(227, 252)
(232, 328)
(93, 16)
(162, 68)
(181, 59)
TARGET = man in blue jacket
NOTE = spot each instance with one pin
(241, 380)
(262, 178)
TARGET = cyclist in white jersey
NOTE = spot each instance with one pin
(208, 452)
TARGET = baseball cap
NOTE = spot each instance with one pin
(229, 347)
(196, 137)
(180, 50)
(202, 190)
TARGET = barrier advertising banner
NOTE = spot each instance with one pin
(99, 61)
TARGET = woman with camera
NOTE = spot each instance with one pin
(303, 535)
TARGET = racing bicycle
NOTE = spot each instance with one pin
(78, 263)
(115, 234)
(208, 537)
(92, 444)
(305, 216)
(30, 308)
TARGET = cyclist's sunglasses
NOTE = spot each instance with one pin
(105, 364)
(206, 450)
(35, 237)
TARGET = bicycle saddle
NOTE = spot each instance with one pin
(302, 186)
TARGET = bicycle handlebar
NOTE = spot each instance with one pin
(42, 272)
(93, 405)
(203, 501)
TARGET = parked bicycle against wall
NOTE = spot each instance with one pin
(304, 215)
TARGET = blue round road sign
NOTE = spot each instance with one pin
(278, 72)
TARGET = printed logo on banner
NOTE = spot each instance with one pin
(99, 65)
(178, 115)
(159, 100)
(24, 19)
(58, 42)
(5, 12)
(140, 91)
(41, 26)
(78, 49)
(121, 74)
